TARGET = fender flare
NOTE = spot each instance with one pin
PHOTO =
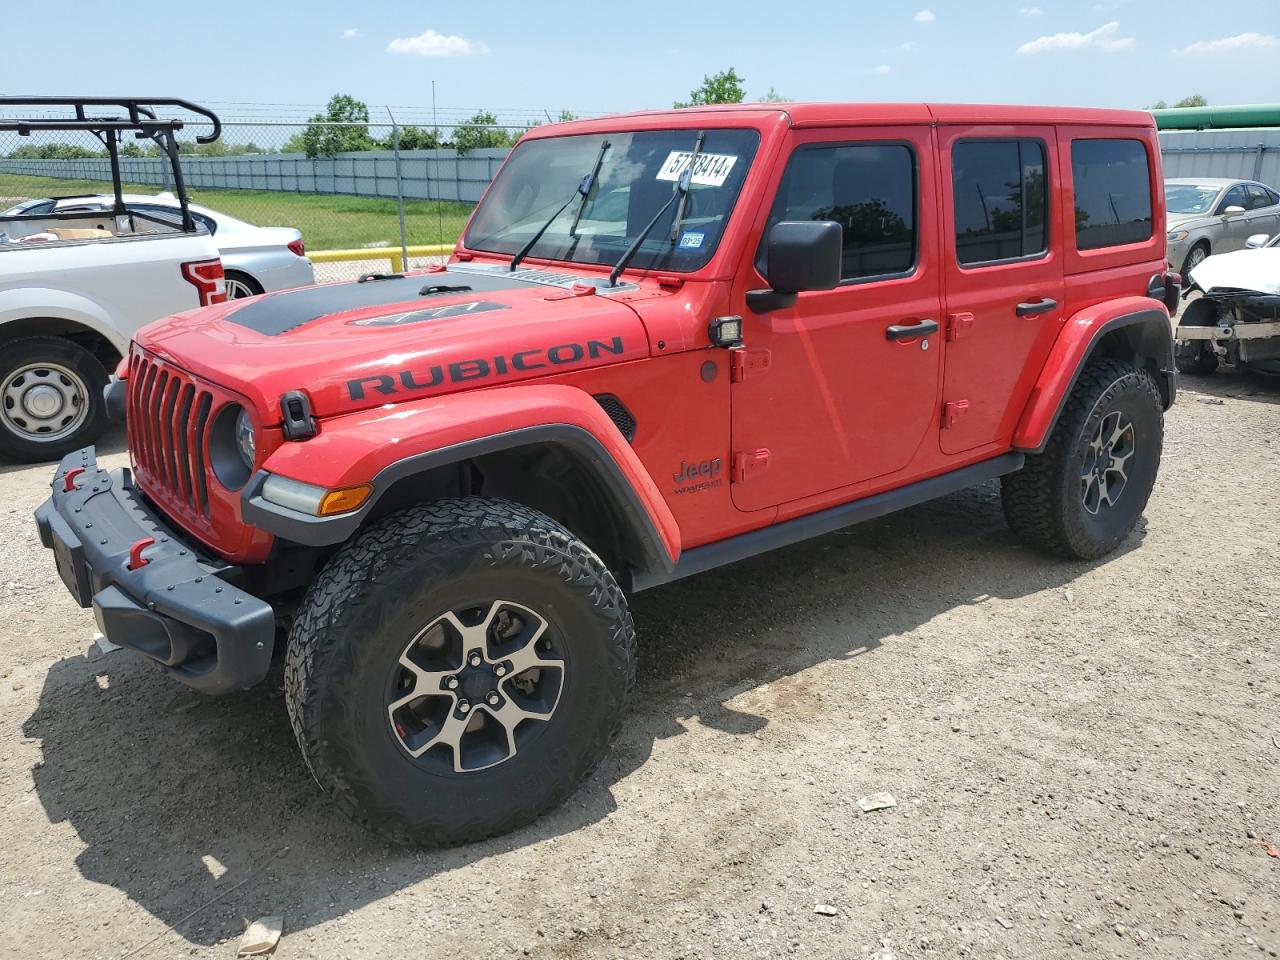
(385, 445)
(1147, 322)
(45, 303)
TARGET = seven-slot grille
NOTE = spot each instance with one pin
(168, 419)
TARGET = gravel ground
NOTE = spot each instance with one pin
(1084, 758)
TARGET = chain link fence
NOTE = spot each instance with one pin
(379, 188)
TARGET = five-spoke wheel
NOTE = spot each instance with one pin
(1106, 462)
(474, 684)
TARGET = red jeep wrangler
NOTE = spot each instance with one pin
(666, 341)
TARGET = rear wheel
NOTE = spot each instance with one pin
(458, 669)
(241, 285)
(1082, 496)
(50, 398)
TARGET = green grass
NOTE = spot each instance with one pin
(327, 222)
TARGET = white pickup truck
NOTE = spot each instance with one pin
(74, 288)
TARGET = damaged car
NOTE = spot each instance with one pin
(1237, 320)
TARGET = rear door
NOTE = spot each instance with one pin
(1264, 210)
(1003, 276)
(829, 395)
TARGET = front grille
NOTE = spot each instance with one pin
(168, 423)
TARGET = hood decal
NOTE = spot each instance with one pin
(430, 313)
(281, 312)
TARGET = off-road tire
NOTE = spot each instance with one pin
(1195, 357)
(30, 352)
(399, 574)
(1043, 501)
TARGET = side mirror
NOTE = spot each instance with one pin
(1233, 211)
(800, 255)
(1256, 241)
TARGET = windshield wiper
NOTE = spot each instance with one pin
(684, 196)
(683, 185)
(580, 194)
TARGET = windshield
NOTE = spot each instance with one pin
(1189, 197)
(638, 173)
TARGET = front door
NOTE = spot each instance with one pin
(1004, 276)
(830, 394)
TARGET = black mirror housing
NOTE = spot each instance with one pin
(800, 255)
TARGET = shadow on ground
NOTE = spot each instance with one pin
(113, 441)
(166, 788)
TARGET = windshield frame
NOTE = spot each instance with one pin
(647, 260)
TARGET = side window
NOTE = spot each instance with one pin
(1001, 204)
(1112, 183)
(1235, 197)
(869, 189)
(1259, 197)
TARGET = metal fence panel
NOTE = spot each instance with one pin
(1244, 154)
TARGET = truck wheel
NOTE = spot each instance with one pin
(1082, 496)
(458, 669)
(50, 398)
(1195, 357)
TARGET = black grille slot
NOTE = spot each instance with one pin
(617, 412)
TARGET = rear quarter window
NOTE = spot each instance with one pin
(1112, 183)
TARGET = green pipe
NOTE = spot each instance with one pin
(1218, 118)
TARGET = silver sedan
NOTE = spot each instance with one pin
(255, 259)
(1209, 215)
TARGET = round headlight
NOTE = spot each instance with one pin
(244, 438)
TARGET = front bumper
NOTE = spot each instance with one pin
(175, 606)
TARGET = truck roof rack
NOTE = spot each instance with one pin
(109, 119)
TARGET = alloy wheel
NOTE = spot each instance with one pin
(1107, 462)
(238, 289)
(474, 686)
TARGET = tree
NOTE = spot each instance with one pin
(723, 87)
(1195, 100)
(326, 141)
(52, 151)
(478, 132)
(773, 96)
(415, 138)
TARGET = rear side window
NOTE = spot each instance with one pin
(1001, 205)
(1112, 182)
(1259, 197)
(870, 190)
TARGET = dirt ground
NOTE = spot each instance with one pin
(1084, 756)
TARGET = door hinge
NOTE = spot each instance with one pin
(748, 463)
(952, 411)
(959, 325)
(744, 363)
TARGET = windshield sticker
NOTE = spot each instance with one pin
(711, 171)
(691, 240)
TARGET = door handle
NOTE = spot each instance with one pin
(1043, 305)
(904, 331)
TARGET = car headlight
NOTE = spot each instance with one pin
(245, 441)
(1175, 236)
(313, 500)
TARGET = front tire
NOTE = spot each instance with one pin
(1082, 496)
(1195, 256)
(458, 669)
(50, 399)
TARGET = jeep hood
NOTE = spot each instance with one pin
(1257, 270)
(356, 345)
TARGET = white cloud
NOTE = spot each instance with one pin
(349, 33)
(432, 44)
(1030, 11)
(907, 47)
(1104, 39)
(877, 71)
(1241, 41)
(924, 16)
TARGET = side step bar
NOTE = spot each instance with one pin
(701, 559)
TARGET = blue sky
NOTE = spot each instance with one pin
(520, 59)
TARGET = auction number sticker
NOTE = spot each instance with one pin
(711, 170)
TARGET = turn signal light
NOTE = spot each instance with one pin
(343, 501)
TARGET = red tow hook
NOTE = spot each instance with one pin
(136, 559)
(69, 481)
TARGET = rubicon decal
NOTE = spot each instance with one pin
(482, 368)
